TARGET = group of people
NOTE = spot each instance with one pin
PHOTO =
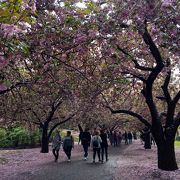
(67, 143)
(116, 137)
(98, 142)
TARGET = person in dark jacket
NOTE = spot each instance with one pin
(86, 141)
(68, 144)
(104, 145)
(115, 139)
(125, 137)
(129, 137)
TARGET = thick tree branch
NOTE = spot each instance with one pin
(153, 48)
(147, 89)
(138, 116)
(165, 88)
(56, 125)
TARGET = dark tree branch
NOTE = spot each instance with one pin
(18, 84)
(56, 125)
(165, 88)
(143, 68)
(135, 76)
(138, 116)
(161, 98)
(147, 89)
(176, 98)
(153, 48)
(35, 114)
(53, 109)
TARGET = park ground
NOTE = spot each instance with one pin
(127, 162)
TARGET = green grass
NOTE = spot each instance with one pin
(177, 143)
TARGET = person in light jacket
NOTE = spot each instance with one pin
(96, 145)
(56, 144)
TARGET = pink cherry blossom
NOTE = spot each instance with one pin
(2, 87)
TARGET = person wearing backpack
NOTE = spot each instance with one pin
(85, 141)
(56, 144)
(68, 144)
(96, 145)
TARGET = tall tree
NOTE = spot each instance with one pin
(145, 40)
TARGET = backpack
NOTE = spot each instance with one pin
(95, 143)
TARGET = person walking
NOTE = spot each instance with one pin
(56, 144)
(129, 137)
(119, 137)
(125, 137)
(85, 141)
(96, 145)
(68, 144)
(104, 146)
(115, 139)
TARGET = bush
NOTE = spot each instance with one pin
(18, 137)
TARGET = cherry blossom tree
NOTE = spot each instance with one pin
(143, 36)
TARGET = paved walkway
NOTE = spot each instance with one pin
(128, 162)
(77, 169)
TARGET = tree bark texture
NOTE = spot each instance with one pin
(166, 157)
(45, 140)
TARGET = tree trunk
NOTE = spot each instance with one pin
(147, 141)
(45, 140)
(166, 157)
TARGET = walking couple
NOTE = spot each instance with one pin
(68, 144)
(98, 142)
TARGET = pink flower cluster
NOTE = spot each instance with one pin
(29, 5)
(10, 30)
(167, 4)
(2, 87)
(80, 38)
(3, 62)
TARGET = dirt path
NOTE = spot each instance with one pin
(125, 163)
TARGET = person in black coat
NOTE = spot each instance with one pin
(104, 145)
(85, 141)
(129, 137)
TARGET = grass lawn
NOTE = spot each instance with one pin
(177, 143)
